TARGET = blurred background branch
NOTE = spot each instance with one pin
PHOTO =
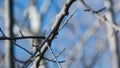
(90, 36)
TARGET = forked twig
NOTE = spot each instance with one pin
(54, 31)
(66, 21)
(60, 66)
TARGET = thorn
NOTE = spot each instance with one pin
(98, 11)
(2, 32)
(105, 18)
(21, 33)
(88, 10)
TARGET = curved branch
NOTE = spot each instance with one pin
(23, 48)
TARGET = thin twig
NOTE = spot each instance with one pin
(90, 9)
(25, 37)
(67, 20)
(53, 60)
(60, 66)
(116, 27)
(60, 53)
(21, 33)
(23, 48)
(56, 57)
(2, 32)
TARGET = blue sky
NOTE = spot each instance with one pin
(67, 37)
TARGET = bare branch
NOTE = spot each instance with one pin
(78, 48)
(111, 28)
(53, 60)
(2, 32)
(116, 27)
(9, 23)
(54, 31)
(60, 53)
(21, 33)
(25, 37)
(89, 8)
(67, 20)
(60, 66)
(111, 35)
(23, 49)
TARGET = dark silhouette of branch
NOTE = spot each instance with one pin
(21, 33)
(88, 8)
(23, 48)
(2, 32)
(53, 60)
(25, 37)
(4, 37)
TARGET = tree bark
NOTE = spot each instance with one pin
(9, 23)
(35, 22)
(111, 33)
